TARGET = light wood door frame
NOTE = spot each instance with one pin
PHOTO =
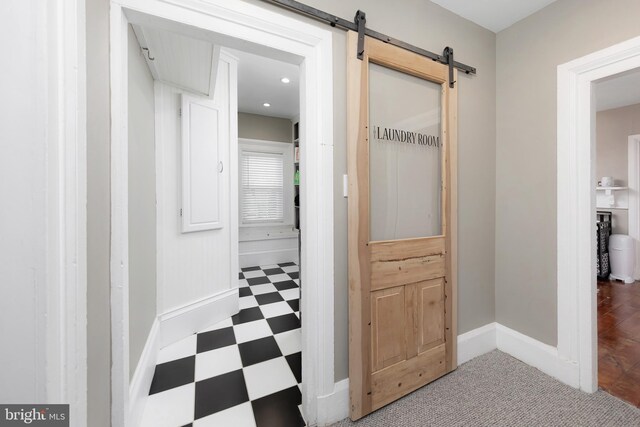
(367, 395)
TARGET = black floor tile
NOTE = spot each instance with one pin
(173, 374)
(287, 264)
(295, 304)
(287, 284)
(247, 315)
(245, 291)
(219, 393)
(279, 409)
(294, 274)
(269, 298)
(272, 271)
(188, 425)
(240, 276)
(295, 363)
(259, 350)
(215, 339)
(258, 280)
(283, 323)
(250, 269)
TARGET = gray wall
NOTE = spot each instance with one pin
(98, 214)
(427, 25)
(528, 54)
(613, 128)
(142, 203)
(254, 126)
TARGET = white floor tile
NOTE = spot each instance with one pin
(276, 309)
(290, 342)
(247, 302)
(251, 331)
(268, 377)
(290, 269)
(223, 324)
(217, 362)
(263, 289)
(289, 294)
(243, 283)
(279, 278)
(254, 273)
(266, 267)
(237, 416)
(183, 348)
(297, 281)
(170, 408)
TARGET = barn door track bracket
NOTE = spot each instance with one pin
(359, 25)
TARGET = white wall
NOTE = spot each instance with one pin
(142, 202)
(23, 191)
(188, 263)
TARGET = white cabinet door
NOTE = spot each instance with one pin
(205, 154)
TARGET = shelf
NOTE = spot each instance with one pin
(614, 197)
(612, 188)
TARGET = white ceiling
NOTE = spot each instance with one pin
(259, 82)
(181, 61)
(184, 58)
(494, 15)
(618, 91)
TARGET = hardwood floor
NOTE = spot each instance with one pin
(619, 340)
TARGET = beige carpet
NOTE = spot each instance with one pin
(498, 390)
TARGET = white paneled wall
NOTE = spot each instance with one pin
(198, 265)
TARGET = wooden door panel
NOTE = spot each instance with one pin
(391, 250)
(430, 314)
(396, 381)
(406, 261)
(388, 345)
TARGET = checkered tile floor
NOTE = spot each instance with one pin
(244, 371)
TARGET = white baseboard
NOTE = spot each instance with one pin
(334, 407)
(251, 259)
(143, 375)
(476, 342)
(191, 318)
(537, 354)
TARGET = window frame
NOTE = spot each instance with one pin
(275, 147)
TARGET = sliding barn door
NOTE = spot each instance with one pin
(401, 165)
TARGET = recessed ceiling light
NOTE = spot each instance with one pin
(285, 80)
(266, 104)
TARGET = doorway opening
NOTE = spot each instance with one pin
(582, 310)
(617, 120)
(221, 249)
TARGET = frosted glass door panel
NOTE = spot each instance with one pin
(404, 155)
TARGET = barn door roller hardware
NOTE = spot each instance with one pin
(359, 26)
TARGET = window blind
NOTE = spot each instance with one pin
(262, 187)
